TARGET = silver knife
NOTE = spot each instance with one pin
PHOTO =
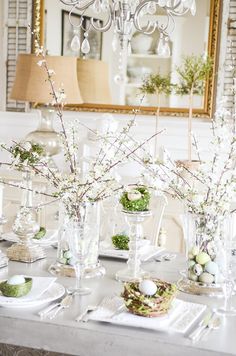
(65, 303)
(48, 309)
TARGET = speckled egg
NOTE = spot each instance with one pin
(134, 195)
(197, 269)
(206, 278)
(15, 280)
(202, 258)
(195, 251)
(147, 287)
(211, 267)
(192, 276)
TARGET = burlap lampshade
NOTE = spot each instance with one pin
(93, 78)
(31, 80)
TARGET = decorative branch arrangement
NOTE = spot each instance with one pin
(212, 188)
(71, 187)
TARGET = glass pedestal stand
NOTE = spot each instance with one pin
(133, 272)
(25, 227)
(187, 286)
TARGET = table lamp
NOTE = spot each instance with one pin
(93, 78)
(31, 85)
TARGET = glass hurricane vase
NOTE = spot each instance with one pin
(65, 263)
(206, 257)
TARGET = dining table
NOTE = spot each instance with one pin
(23, 332)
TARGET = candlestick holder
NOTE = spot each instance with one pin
(3, 221)
(25, 227)
(134, 272)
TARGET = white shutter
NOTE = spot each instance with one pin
(19, 16)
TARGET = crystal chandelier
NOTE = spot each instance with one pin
(127, 16)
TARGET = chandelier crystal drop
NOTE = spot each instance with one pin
(127, 17)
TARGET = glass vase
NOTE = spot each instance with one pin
(65, 263)
(134, 272)
(205, 237)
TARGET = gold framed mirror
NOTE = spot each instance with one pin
(208, 20)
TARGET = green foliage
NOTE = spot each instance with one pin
(156, 84)
(40, 234)
(121, 241)
(30, 155)
(193, 74)
(141, 204)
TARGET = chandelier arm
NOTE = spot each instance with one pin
(104, 28)
(69, 3)
(80, 25)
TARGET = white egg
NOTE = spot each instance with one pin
(134, 195)
(17, 279)
(147, 287)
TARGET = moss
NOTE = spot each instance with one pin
(121, 241)
(141, 204)
(18, 290)
(40, 234)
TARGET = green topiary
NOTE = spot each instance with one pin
(121, 241)
(140, 204)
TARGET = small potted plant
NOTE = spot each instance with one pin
(193, 74)
(158, 85)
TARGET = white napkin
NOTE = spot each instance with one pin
(40, 285)
(179, 319)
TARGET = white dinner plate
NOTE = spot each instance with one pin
(56, 291)
(146, 252)
(49, 238)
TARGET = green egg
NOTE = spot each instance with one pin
(195, 251)
(191, 263)
(190, 256)
(192, 276)
(206, 278)
(202, 258)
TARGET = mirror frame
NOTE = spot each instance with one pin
(209, 97)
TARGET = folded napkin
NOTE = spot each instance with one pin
(179, 319)
(40, 285)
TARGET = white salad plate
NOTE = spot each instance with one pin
(54, 292)
(145, 252)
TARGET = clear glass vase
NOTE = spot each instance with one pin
(65, 264)
(206, 256)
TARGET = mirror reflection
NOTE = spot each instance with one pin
(116, 77)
